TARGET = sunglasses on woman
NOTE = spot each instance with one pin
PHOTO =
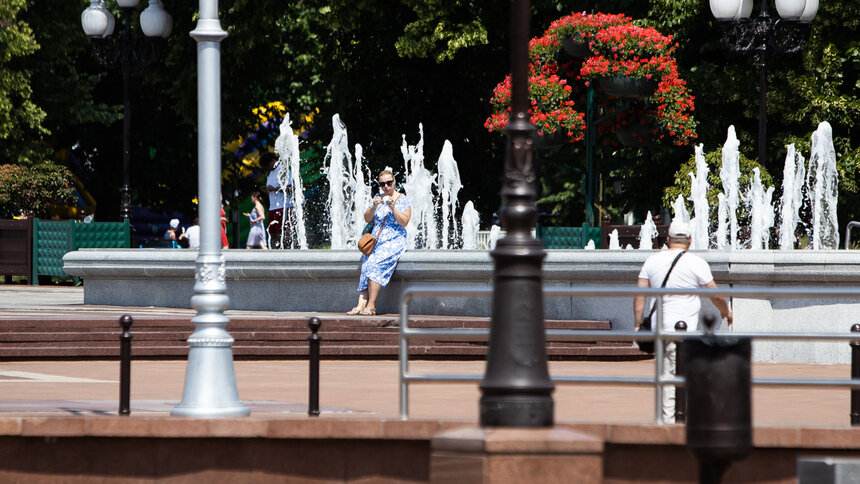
(386, 183)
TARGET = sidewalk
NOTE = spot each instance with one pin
(358, 388)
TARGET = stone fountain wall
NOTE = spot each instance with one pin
(325, 281)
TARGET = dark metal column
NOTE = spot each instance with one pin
(516, 389)
(761, 54)
(125, 191)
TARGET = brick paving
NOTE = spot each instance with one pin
(359, 388)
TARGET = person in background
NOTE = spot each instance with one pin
(279, 201)
(689, 272)
(257, 235)
(173, 233)
(389, 213)
(192, 235)
(225, 244)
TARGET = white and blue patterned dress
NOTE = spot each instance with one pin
(390, 245)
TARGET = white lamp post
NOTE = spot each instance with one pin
(762, 34)
(210, 382)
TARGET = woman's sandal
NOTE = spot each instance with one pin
(368, 312)
(355, 310)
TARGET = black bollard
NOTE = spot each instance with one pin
(718, 383)
(314, 372)
(680, 392)
(125, 365)
(855, 374)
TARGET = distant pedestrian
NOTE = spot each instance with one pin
(280, 202)
(257, 235)
(192, 235)
(225, 244)
(173, 232)
(688, 271)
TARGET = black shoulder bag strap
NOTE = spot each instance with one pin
(654, 306)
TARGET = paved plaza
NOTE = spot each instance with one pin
(356, 388)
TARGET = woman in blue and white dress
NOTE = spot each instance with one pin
(257, 234)
(390, 212)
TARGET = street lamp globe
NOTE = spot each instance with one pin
(97, 21)
(790, 9)
(746, 9)
(725, 9)
(809, 11)
(127, 3)
(155, 21)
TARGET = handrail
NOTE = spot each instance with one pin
(658, 336)
(848, 228)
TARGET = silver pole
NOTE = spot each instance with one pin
(210, 382)
(404, 358)
(658, 359)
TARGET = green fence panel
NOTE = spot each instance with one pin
(51, 241)
(54, 239)
(569, 237)
(100, 235)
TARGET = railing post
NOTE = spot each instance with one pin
(314, 363)
(719, 384)
(125, 365)
(855, 374)
(680, 392)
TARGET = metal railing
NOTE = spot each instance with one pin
(659, 336)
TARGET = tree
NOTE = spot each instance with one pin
(34, 190)
(20, 118)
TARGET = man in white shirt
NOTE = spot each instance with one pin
(193, 235)
(279, 200)
(691, 271)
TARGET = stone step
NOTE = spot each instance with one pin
(341, 350)
(97, 336)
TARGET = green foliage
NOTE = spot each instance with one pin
(20, 118)
(34, 190)
(714, 159)
(442, 29)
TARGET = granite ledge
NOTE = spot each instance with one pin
(846, 438)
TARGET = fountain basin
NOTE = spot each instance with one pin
(326, 281)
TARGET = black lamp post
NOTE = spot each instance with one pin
(126, 51)
(516, 390)
(761, 35)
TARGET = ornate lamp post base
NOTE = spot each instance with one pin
(210, 382)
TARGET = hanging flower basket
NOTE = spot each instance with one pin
(550, 140)
(626, 86)
(576, 46)
(611, 51)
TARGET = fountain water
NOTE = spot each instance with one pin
(470, 223)
(287, 148)
(699, 197)
(791, 202)
(613, 240)
(822, 184)
(647, 233)
(730, 174)
(346, 184)
(449, 187)
(418, 183)
(495, 231)
(433, 196)
(761, 212)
